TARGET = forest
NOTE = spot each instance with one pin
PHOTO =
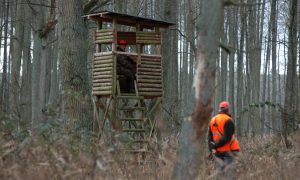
(64, 113)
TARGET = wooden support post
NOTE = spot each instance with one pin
(98, 46)
(114, 47)
(158, 46)
(138, 46)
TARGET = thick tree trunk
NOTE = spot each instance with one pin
(170, 64)
(73, 56)
(290, 90)
(189, 157)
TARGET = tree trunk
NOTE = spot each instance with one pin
(16, 59)
(290, 90)
(73, 56)
(170, 64)
(189, 157)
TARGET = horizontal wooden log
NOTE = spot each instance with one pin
(151, 56)
(102, 73)
(98, 62)
(149, 66)
(149, 81)
(104, 41)
(145, 33)
(108, 60)
(149, 69)
(104, 84)
(101, 65)
(103, 53)
(103, 34)
(150, 89)
(102, 92)
(104, 37)
(149, 85)
(148, 38)
(149, 77)
(104, 30)
(155, 94)
(102, 80)
(149, 59)
(102, 76)
(147, 42)
(151, 62)
(149, 73)
(105, 68)
(105, 88)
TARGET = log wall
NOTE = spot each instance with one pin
(103, 73)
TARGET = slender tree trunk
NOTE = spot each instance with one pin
(4, 85)
(189, 157)
(16, 59)
(26, 70)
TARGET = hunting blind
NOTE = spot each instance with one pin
(127, 112)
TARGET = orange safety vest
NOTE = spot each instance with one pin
(217, 128)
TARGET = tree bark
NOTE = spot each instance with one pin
(73, 56)
(189, 157)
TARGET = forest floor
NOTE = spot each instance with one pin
(261, 158)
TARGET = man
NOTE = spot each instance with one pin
(126, 67)
(222, 142)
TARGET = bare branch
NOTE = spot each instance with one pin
(51, 21)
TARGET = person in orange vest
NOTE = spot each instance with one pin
(222, 143)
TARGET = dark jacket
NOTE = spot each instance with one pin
(125, 65)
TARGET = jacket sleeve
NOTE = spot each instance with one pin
(228, 132)
(210, 140)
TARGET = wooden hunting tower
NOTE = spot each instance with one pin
(143, 35)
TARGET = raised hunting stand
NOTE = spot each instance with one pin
(127, 112)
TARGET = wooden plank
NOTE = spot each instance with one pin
(101, 80)
(153, 59)
(104, 34)
(102, 92)
(102, 76)
(104, 37)
(102, 84)
(105, 88)
(151, 56)
(104, 41)
(149, 73)
(155, 94)
(149, 80)
(104, 60)
(149, 66)
(147, 42)
(149, 85)
(100, 62)
(103, 54)
(148, 77)
(151, 62)
(101, 65)
(150, 90)
(104, 30)
(102, 73)
(105, 68)
(149, 69)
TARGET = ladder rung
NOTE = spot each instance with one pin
(132, 119)
(133, 130)
(130, 97)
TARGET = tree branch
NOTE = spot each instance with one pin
(92, 4)
(51, 21)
